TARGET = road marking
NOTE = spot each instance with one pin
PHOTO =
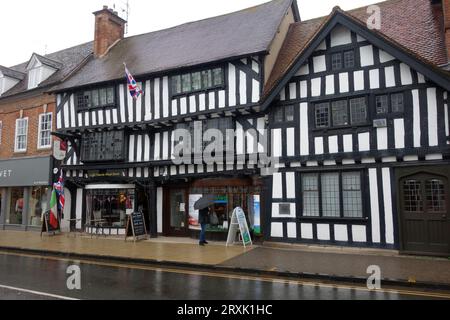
(240, 277)
(38, 293)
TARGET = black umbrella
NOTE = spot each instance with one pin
(205, 202)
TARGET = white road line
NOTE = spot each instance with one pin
(37, 293)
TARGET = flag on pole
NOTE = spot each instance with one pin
(54, 210)
(133, 88)
(59, 187)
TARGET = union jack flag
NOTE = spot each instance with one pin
(133, 88)
(59, 188)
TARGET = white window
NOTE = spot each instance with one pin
(45, 131)
(34, 77)
(21, 135)
(1, 130)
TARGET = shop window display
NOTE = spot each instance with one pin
(227, 199)
(16, 206)
(109, 208)
(38, 204)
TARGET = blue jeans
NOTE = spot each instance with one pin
(203, 233)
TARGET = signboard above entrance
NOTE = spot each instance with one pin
(25, 172)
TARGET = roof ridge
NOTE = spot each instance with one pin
(206, 19)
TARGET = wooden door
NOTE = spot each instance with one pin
(424, 214)
(176, 217)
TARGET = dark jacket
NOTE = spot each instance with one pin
(203, 216)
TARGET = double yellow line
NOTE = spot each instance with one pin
(435, 295)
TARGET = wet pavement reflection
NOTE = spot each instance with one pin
(101, 282)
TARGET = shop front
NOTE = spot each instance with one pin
(181, 219)
(25, 190)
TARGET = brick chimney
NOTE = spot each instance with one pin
(446, 11)
(109, 28)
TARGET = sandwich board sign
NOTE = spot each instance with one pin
(47, 227)
(136, 227)
(239, 224)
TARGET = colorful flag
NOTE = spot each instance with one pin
(133, 88)
(59, 187)
(53, 210)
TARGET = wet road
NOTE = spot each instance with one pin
(37, 278)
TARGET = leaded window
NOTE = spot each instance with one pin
(382, 104)
(397, 102)
(358, 111)
(332, 195)
(310, 195)
(351, 194)
(435, 193)
(413, 201)
(198, 81)
(103, 146)
(96, 98)
(336, 61)
(340, 113)
(284, 114)
(349, 59)
(322, 115)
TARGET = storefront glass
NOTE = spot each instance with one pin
(109, 208)
(16, 207)
(227, 199)
(38, 204)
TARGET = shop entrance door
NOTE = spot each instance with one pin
(176, 223)
(424, 214)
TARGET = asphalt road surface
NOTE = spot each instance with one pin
(25, 277)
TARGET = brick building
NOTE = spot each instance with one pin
(26, 141)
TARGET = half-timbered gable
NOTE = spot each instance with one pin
(346, 115)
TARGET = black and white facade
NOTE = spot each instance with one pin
(361, 130)
(365, 146)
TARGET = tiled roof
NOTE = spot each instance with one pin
(412, 24)
(12, 73)
(237, 34)
(66, 61)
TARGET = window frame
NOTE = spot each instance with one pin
(282, 110)
(341, 217)
(82, 108)
(120, 135)
(16, 149)
(39, 145)
(390, 111)
(341, 52)
(204, 74)
(350, 124)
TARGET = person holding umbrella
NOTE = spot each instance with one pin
(204, 205)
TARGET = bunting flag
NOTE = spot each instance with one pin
(133, 88)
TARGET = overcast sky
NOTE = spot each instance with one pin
(46, 26)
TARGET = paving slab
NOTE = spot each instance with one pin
(168, 251)
(341, 265)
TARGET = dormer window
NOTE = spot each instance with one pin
(40, 69)
(9, 78)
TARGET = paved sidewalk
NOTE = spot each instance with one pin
(188, 252)
(322, 262)
(333, 263)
